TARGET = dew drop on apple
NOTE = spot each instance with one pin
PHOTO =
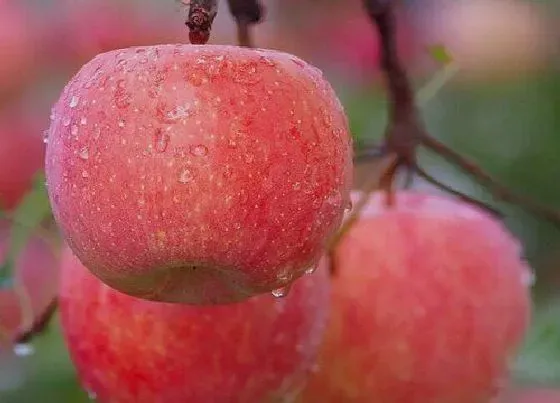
(310, 270)
(348, 206)
(84, 153)
(46, 136)
(66, 121)
(161, 141)
(23, 349)
(199, 150)
(74, 130)
(74, 101)
(185, 176)
(281, 292)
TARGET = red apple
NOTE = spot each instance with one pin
(198, 174)
(21, 155)
(17, 47)
(430, 301)
(533, 395)
(133, 350)
(35, 271)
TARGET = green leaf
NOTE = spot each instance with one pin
(29, 214)
(440, 54)
(539, 359)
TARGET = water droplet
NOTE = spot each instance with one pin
(74, 130)
(46, 136)
(85, 174)
(74, 101)
(284, 276)
(91, 395)
(24, 350)
(66, 121)
(296, 186)
(281, 292)
(299, 62)
(121, 123)
(161, 140)
(249, 158)
(83, 121)
(528, 278)
(348, 206)
(199, 150)
(84, 153)
(185, 176)
(310, 270)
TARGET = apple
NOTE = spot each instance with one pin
(531, 395)
(127, 349)
(22, 154)
(198, 174)
(17, 48)
(430, 300)
(36, 271)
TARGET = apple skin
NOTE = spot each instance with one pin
(429, 301)
(127, 349)
(531, 395)
(198, 174)
(36, 269)
(22, 155)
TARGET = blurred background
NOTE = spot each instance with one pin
(500, 106)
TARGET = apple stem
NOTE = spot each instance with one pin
(200, 18)
(405, 132)
(246, 13)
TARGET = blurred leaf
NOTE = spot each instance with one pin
(29, 214)
(539, 360)
(440, 54)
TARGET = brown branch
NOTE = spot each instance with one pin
(246, 13)
(498, 190)
(466, 198)
(200, 18)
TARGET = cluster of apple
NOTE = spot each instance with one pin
(198, 190)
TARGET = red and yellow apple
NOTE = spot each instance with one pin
(198, 174)
(430, 300)
(132, 350)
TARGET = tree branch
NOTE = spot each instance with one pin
(498, 190)
(246, 13)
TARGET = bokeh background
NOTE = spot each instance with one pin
(497, 102)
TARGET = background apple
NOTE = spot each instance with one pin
(430, 300)
(21, 154)
(531, 395)
(132, 350)
(198, 174)
(36, 269)
(17, 48)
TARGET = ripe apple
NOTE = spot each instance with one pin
(429, 302)
(36, 270)
(22, 154)
(198, 174)
(17, 47)
(531, 395)
(132, 350)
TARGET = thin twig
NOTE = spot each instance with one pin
(430, 179)
(498, 190)
(246, 13)
(40, 324)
